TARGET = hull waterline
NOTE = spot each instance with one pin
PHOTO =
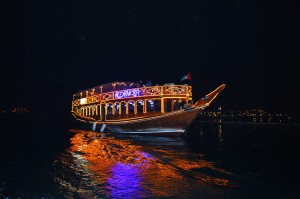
(174, 122)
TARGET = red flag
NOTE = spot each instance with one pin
(189, 76)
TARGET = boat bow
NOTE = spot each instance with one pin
(207, 99)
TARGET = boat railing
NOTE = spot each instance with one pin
(117, 116)
(151, 91)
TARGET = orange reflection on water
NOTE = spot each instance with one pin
(193, 166)
(103, 153)
(125, 168)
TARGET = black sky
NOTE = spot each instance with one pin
(50, 50)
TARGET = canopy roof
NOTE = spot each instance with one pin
(112, 86)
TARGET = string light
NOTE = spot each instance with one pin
(133, 97)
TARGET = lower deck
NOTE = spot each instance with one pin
(123, 110)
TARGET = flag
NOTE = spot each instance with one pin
(187, 77)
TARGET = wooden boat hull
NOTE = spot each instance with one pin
(176, 121)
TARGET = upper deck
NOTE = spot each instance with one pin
(130, 91)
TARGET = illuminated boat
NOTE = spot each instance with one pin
(127, 107)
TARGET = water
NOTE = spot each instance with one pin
(45, 158)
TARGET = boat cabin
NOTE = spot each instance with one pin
(125, 100)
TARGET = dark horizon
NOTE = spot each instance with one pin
(54, 49)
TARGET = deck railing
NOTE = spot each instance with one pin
(152, 91)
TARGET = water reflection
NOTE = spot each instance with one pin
(98, 165)
(125, 181)
(220, 142)
(220, 137)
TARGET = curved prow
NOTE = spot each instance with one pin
(207, 99)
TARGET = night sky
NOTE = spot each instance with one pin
(52, 49)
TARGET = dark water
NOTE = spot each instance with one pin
(42, 158)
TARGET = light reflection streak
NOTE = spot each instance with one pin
(125, 181)
(98, 165)
(193, 166)
(220, 137)
(115, 163)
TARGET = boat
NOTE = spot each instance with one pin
(129, 107)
